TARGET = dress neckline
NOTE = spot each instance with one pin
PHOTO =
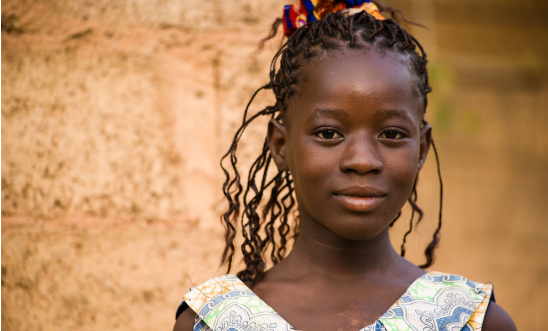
(433, 301)
(394, 305)
(203, 297)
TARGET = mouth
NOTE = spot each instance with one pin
(360, 199)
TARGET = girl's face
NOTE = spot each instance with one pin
(352, 141)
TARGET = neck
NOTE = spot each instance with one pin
(321, 251)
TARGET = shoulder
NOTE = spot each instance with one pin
(496, 319)
(185, 321)
(488, 314)
(197, 298)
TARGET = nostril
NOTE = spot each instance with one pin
(362, 169)
(362, 165)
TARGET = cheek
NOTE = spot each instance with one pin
(305, 162)
(311, 166)
(403, 167)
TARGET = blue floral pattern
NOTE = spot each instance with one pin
(434, 302)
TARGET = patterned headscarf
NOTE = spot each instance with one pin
(307, 11)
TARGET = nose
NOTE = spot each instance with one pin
(361, 156)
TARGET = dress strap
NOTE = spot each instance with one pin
(439, 301)
(226, 303)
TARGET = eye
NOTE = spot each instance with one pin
(391, 134)
(329, 134)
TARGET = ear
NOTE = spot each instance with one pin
(425, 143)
(277, 143)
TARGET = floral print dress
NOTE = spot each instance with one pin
(434, 302)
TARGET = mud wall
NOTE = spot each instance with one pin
(115, 115)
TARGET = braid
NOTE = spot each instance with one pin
(429, 252)
(332, 32)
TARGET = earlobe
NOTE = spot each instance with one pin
(277, 143)
(425, 143)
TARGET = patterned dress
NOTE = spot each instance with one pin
(434, 302)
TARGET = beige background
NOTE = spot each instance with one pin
(115, 114)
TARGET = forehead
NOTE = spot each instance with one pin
(375, 78)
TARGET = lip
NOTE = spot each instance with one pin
(360, 199)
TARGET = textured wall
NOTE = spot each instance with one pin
(115, 115)
(119, 109)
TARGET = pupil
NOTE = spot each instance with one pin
(391, 134)
(328, 134)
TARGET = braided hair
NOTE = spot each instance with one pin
(335, 31)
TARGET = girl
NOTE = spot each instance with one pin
(348, 138)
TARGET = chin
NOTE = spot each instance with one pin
(359, 232)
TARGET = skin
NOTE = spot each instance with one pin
(353, 142)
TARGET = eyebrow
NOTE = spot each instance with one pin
(397, 113)
(327, 112)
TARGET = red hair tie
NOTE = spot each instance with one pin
(307, 11)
